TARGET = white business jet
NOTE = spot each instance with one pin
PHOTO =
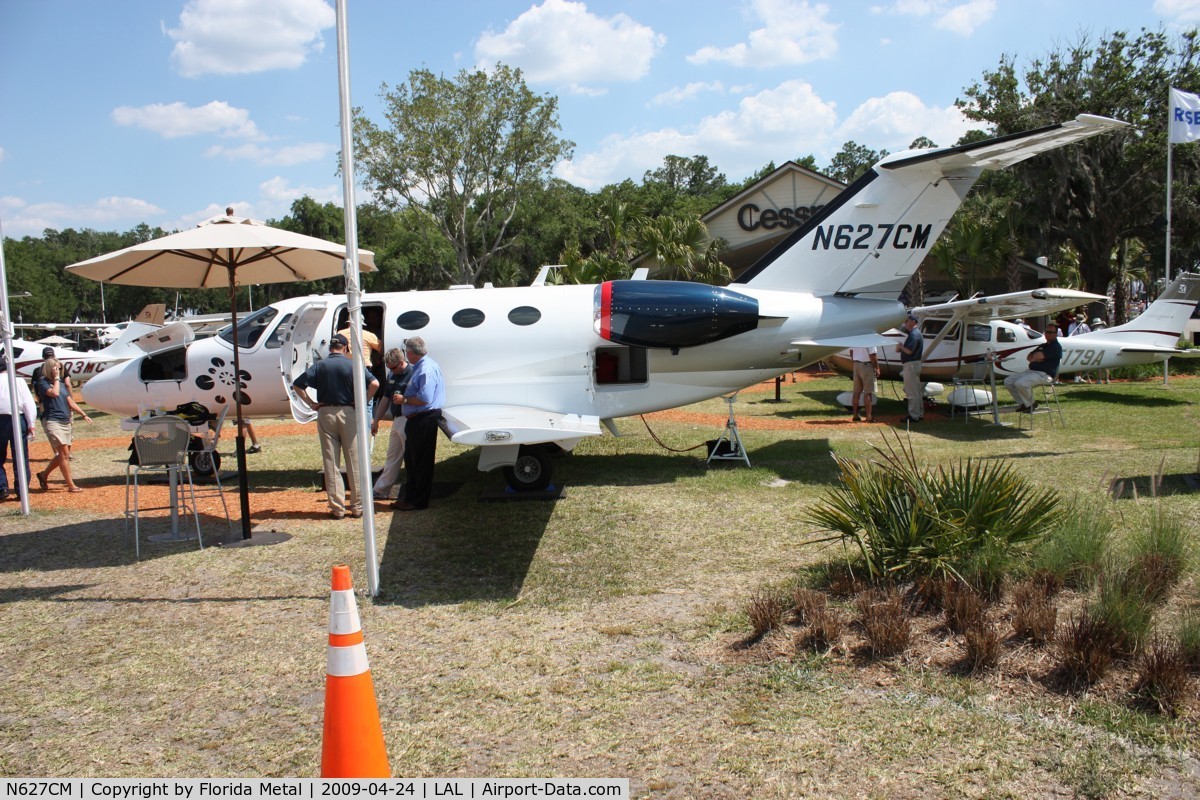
(1152, 337)
(534, 369)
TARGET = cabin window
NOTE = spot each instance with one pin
(932, 327)
(467, 317)
(979, 333)
(1032, 334)
(275, 340)
(1006, 335)
(412, 320)
(250, 328)
(617, 365)
(169, 365)
(524, 315)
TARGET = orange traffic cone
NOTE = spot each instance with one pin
(352, 743)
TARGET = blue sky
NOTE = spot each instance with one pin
(167, 111)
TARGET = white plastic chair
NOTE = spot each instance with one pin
(161, 445)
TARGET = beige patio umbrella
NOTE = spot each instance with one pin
(224, 251)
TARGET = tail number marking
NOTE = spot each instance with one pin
(1083, 358)
(866, 236)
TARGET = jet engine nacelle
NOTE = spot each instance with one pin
(670, 313)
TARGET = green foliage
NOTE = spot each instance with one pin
(852, 161)
(464, 152)
(908, 522)
(1075, 548)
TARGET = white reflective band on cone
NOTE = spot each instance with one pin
(346, 662)
(343, 612)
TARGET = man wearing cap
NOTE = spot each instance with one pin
(912, 352)
(1078, 326)
(16, 419)
(337, 421)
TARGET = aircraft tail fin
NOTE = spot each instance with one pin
(1164, 320)
(870, 239)
(152, 314)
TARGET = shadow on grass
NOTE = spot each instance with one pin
(92, 545)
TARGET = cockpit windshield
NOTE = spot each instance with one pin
(250, 328)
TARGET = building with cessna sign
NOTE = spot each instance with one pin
(759, 217)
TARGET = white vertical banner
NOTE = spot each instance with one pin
(1184, 125)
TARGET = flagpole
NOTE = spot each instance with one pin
(1170, 173)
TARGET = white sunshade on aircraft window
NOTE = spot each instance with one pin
(979, 333)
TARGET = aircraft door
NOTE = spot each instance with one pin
(298, 352)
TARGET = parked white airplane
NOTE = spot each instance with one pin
(136, 339)
(106, 333)
(532, 368)
(1152, 337)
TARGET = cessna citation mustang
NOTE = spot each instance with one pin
(1149, 338)
(533, 369)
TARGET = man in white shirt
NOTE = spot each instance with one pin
(24, 419)
(866, 370)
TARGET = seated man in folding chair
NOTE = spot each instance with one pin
(1043, 366)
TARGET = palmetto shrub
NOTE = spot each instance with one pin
(909, 522)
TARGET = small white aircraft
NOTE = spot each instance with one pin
(136, 339)
(534, 369)
(1152, 337)
(106, 334)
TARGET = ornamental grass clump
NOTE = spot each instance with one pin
(1159, 554)
(825, 627)
(1074, 549)
(885, 622)
(981, 645)
(1034, 614)
(1162, 677)
(1085, 648)
(907, 522)
(765, 611)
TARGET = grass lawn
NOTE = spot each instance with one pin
(592, 636)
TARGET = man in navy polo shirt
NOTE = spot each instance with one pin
(1043, 367)
(337, 421)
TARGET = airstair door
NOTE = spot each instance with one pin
(298, 352)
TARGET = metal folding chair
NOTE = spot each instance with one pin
(161, 445)
(1047, 405)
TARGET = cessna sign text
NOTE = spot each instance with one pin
(752, 218)
(866, 237)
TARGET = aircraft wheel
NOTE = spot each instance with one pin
(205, 464)
(532, 471)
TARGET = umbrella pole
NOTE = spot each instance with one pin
(243, 488)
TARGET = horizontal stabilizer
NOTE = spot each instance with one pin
(485, 425)
(177, 333)
(1005, 151)
(1163, 351)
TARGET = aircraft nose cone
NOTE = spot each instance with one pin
(109, 391)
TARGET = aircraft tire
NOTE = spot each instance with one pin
(531, 472)
(205, 464)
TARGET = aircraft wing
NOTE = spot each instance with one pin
(846, 342)
(509, 425)
(1032, 303)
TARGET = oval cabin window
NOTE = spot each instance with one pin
(413, 320)
(524, 315)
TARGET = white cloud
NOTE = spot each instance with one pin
(680, 94)
(561, 43)
(1179, 12)
(965, 19)
(274, 156)
(893, 121)
(30, 219)
(235, 37)
(177, 119)
(785, 122)
(2, 154)
(792, 33)
(961, 18)
(773, 125)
